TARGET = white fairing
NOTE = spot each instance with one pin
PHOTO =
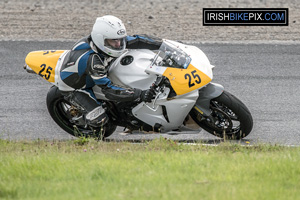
(199, 60)
(176, 111)
(169, 114)
(133, 75)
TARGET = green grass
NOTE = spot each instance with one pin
(161, 169)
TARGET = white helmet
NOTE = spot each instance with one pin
(107, 30)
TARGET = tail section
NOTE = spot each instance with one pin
(44, 63)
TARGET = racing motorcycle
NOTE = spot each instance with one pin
(179, 74)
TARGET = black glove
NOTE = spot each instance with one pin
(147, 95)
(143, 95)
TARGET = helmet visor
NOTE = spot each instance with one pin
(115, 44)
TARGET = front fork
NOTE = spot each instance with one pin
(206, 94)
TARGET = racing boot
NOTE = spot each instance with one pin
(97, 117)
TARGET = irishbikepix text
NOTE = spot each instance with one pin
(243, 16)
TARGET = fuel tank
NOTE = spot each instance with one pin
(129, 69)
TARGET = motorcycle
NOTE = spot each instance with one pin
(181, 76)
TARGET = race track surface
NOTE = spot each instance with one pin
(266, 77)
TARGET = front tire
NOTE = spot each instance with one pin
(230, 118)
(58, 108)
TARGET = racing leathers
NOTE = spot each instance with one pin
(86, 66)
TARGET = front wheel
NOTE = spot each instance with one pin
(63, 112)
(229, 118)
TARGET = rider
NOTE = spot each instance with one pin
(87, 64)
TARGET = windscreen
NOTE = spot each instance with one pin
(173, 56)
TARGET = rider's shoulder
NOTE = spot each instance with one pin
(83, 43)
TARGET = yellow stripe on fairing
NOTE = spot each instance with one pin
(200, 111)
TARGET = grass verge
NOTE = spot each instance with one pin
(160, 169)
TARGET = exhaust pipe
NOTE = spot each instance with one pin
(28, 69)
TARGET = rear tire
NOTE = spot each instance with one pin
(56, 104)
(230, 118)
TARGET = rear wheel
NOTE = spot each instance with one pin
(230, 118)
(63, 112)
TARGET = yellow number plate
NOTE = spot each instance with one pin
(186, 80)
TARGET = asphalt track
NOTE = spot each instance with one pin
(266, 77)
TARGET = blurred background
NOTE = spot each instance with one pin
(172, 19)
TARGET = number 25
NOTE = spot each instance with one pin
(196, 77)
(48, 71)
